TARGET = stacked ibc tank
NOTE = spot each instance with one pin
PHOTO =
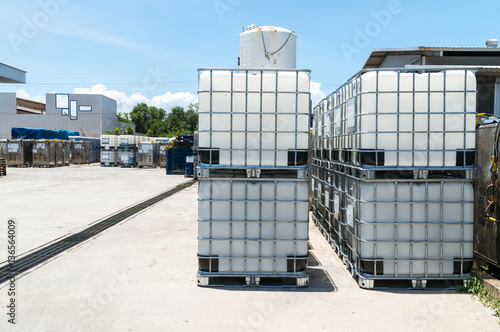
(393, 171)
(109, 150)
(128, 151)
(253, 175)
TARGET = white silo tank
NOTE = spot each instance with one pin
(267, 47)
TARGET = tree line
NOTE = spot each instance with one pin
(155, 122)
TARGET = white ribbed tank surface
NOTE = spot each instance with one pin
(267, 47)
(253, 148)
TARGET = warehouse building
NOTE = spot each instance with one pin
(89, 114)
(9, 74)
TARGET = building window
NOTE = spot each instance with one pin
(85, 108)
(73, 110)
(64, 112)
(62, 101)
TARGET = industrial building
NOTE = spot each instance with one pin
(9, 74)
(89, 114)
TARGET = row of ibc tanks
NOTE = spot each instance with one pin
(392, 174)
(253, 176)
(45, 152)
(142, 151)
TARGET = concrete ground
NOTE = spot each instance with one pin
(140, 275)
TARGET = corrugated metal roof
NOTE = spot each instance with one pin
(377, 56)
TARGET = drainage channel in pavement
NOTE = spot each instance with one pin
(41, 255)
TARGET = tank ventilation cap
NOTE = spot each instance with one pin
(492, 43)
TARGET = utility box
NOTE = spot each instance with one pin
(146, 154)
(44, 153)
(162, 154)
(80, 152)
(19, 152)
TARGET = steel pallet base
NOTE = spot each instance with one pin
(205, 171)
(109, 165)
(416, 282)
(128, 166)
(226, 280)
(390, 281)
(382, 172)
(371, 282)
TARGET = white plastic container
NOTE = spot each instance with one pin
(128, 139)
(416, 119)
(254, 118)
(267, 47)
(420, 228)
(110, 141)
(423, 121)
(253, 226)
(109, 157)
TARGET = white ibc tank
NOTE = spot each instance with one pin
(267, 47)
(234, 122)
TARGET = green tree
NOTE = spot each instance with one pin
(123, 117)
(139, 117)
(176, 121)
(123, 130)
(192, 118)
(154, 121)
(149, 120)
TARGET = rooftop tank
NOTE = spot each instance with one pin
(267, 47)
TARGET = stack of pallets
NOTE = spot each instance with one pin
(3, 167)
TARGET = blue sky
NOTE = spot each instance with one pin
(149, 51)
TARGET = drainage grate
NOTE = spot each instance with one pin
(35, 258)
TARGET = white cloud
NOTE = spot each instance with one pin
(21, 93)
(170, 100)
(125, 103)
(316, 94)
